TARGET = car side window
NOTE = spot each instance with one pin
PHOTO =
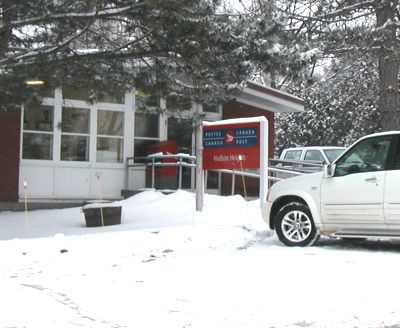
(396, 161)
(293, 154)
(366, 156)
(314, 155)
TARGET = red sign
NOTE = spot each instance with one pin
(231, 146)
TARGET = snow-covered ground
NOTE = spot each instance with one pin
(169, 266)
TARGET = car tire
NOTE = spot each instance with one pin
(294, 225)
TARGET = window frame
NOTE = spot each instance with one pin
(76, 134)
(58, 103)
(389, 158)
(110, 136)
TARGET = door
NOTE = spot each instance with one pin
(354, 196)
(392, 192)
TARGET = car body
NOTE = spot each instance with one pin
(358, 196)
(323, 154)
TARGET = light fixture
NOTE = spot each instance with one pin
(34, 82)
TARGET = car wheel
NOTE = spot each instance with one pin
(294, 225)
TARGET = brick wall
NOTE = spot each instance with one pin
(238, 110)
(9, 154)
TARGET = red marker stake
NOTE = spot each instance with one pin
(98, 177)
(25, 185)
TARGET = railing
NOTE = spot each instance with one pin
(277, 170)
(282, 169)
(182, 160)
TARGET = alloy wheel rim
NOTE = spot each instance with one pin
(296, 226)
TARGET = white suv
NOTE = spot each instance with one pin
(358, 196)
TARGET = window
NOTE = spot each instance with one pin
(110, 136)
(181, 131)
(146, 125)
(332, 154)
(212, 107)
(146, 133)
(293, 154)
(38, 132)
(314, 155)
(396, 162)
(83, 93)
(74, 130)
(368, 155)
(75, 134)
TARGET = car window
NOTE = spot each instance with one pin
(332, 154)
(293, 154)
(396, 161)
(314, 155)
(368, 155)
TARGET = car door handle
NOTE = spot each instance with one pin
(373, 179)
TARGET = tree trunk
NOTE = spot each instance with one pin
(388, 66)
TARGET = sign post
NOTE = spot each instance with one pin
(25, 185)
(237, 144)
(199, 169)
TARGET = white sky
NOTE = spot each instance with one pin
(169, 266)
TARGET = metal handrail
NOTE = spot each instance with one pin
(153, 164)
(292, 167)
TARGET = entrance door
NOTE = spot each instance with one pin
(355, 194)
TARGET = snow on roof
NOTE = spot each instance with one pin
(238, 120)
(269, 99)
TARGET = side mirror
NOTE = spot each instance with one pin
(329, 170)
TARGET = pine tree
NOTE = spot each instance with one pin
(360, 30)
(341, 106)
(177, 47)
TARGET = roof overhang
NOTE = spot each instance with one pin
(268, 99)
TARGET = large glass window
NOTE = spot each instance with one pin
(146, 133)
(110, 136)
(75, 134)
(38, 132)
(181, 131)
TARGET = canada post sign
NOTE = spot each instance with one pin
(232, 146)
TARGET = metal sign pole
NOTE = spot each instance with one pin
(199, 167)
(264, 143)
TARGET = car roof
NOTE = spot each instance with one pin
(386, 133)
(315, 148)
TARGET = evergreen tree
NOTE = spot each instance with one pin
(357, 30)
(174, 47)
(341, 106)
